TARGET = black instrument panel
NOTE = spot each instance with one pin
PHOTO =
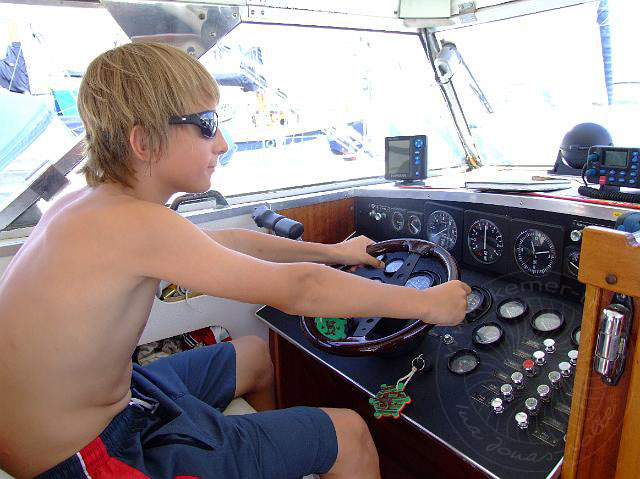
(527, 245)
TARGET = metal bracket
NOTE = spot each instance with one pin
(612, 343)
(467, 12)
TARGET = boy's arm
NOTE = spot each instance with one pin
(162, 244)
(283, 250)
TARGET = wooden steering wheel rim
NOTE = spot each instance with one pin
(358, 346)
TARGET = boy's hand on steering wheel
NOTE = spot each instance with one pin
(447, 303)
(353, 252)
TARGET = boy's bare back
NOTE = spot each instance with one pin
(72, 313)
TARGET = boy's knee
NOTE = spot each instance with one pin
(350, 425)
(262, 358)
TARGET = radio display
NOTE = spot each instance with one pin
(400, 157)
(615, 158)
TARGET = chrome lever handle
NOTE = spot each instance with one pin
(611, 345)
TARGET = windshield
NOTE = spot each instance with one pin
(542, 74)
(299, 105)
(313, 105)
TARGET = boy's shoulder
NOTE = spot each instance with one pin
(93, 214)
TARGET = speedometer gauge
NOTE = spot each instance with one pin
(442, 229)
(534, 252)
(485, 241)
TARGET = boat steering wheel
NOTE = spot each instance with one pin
(352, 337)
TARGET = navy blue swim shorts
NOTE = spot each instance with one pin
(173, 428)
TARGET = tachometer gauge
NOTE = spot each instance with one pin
(485, 241)
(442, 229)
(512, 309)
(547, 321)
(393, 266)
(420, 281)
(487, 333)
(463, 361)
(397, 220)
(535, 253)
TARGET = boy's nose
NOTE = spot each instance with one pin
(220, 144)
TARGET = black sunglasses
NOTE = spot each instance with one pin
(207, 121)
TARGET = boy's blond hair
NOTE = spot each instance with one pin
(136, 84)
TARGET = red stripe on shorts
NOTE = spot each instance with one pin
(100, 465)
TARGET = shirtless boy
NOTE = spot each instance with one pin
(76, 297)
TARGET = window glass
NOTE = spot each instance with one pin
(542, 74)
(313, 105)
(43, 53)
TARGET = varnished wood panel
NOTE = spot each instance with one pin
(610, 259)
(329, 222)
(602, 416)
(628, 466)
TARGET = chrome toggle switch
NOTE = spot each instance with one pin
(522, 419)
(518, 380)
(565, 369)
(544, 392)
(507, 392)
(554, 379)
(549, 346)
(538, 356)
(573, 357)
(496, 404)
(532, 406)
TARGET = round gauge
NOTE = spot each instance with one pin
(420, 281)
(512, 309)
(487, 333)
(575, 336)
(393, 266)
(535, 253)
(463, 361)
(573, 263)
(485, 241)
(478, 303)
(442, 229)
(414, 224)
(397, 221)
(547, 321)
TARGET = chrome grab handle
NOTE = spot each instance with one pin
(611, 344)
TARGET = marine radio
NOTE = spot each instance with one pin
(613, 166)
(405, 158)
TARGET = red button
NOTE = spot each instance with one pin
(528, 364)
(602, 180)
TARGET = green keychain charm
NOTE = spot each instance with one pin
(332, 328)
(391, 400)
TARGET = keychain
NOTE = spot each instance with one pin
(390, 400)
(332, 328)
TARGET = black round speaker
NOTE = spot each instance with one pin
(576, 143)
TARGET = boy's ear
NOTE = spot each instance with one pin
(139, 143)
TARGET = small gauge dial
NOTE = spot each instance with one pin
(575, 336)
(573, 263)
(414, 224)
(488, 333)
(512, 309)
(478, 303)
(442, 229)
(420, 281)
(393, 266)
(474, 300)
(485, 241)
(535, 253)
(397, 220)
(463, 361)
(547, 321)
